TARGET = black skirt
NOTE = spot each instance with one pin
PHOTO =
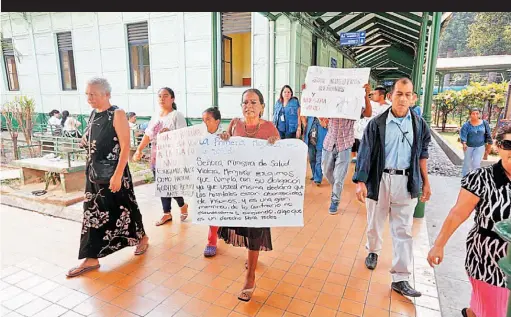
(254, 239)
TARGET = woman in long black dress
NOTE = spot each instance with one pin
(111, 219)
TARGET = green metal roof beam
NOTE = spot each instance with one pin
(396, 73)
(382, 63)
(412, 16)
(405, 33)
(372, 60)
(397, 27)
(372, 55)
(361, 26)
(393, 34)
(399, 69)
(380, 40)
(377, 38)
(401, 65)
(375, 61)
(384, 29)
(399, 55)
(397, 41)
(374, 51)
(336, 18)
(349, 22)
(400, 21)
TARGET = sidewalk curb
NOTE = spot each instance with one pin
(65, 210)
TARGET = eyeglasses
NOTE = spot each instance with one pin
(505, 144)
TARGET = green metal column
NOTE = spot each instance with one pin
(414, 70)
(430, 74)
(430, 81)
(214, 58)
(419, 62)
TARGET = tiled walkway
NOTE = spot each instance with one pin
(317, 270)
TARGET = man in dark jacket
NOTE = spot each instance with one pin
(390, 173)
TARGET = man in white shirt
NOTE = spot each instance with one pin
(379, 105)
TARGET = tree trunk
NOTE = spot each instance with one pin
(490, 108)
(15, 146)
(461, 116)
(444, 121)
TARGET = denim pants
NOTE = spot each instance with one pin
(315, 162)
(472, 160)
(335, 166)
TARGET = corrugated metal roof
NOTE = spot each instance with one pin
(400, 31)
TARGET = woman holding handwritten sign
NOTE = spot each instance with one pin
(254, 239)
(211, 117)
(168, 119)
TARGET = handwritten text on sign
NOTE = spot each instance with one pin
(246, 182)
(334, 92)
(175, 160)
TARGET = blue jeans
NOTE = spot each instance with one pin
(335, 166)
(473, 158)
(315, 162)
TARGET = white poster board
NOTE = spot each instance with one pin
(246, 182)
(334, 92)
(176, 153)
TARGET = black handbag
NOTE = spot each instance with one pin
(313, 133)
(100, 172)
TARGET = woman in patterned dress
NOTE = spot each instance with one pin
(111, 218)
(254, 239)
(486, 190)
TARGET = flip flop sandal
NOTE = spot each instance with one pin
(184, 215)
(81, 270)
(141, 249)
(162, 222)
(210, 251)
(246, 294)
(464, 312)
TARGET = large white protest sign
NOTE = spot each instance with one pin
(334, 92)
(246, 182)
(175, 160)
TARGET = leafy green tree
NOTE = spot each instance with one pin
(490, 34)
(454, 37)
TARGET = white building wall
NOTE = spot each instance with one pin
(303, 57)
(283, 54)
(180, 58)
(229, 98)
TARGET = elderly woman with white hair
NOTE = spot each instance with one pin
(112, 219)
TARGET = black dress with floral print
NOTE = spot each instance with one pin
(111, 221)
